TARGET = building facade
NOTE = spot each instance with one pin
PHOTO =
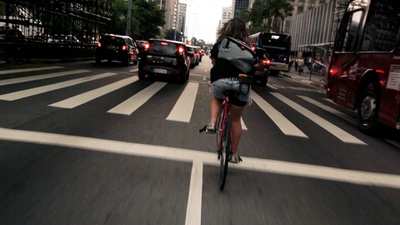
(238, 6)
(314, 29)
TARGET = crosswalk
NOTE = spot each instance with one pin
(183, 107)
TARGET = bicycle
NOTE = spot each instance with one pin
(223, 128)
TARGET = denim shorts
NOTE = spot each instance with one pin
(224, 84)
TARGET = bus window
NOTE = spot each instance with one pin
(347, 34)
(381, 29)
(351, 34)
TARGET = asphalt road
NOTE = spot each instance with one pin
(82, 143)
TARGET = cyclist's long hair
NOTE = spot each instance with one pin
(235, 28)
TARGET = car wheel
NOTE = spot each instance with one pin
(263, 81)
(368, 108)
(126, 61)
(141, 76)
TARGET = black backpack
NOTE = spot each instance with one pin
(238, 53)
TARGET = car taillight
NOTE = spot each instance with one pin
(98, 44)
(146, 46)
(123, 48)
(265, 62)
(180, 50)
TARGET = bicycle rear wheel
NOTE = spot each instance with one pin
(225, 152)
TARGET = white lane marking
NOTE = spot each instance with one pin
(193, 211)
(243, 125)
(281, 121)
(80, 99)
(272, 86)
(133, 103)
(40, 77)
(182, 111)
(188, 155)
(330, 110)
(328, 126)
(30, 69)
(47, 88)
(134, 70)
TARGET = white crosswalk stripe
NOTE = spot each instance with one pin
(184, 105)
(183, 108)
(137, 100)
(330, 110)
(40, 77)
(281, 121)
(30, 69)
(90, 95)
(328, 126)
(39, 90)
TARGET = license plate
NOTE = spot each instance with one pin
(160, 71)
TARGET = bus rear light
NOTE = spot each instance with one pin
(265, 62)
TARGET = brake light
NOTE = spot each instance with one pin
(265, 62)
(123, 48)
(180, 50)
(98, 44)
(164, 43)
(146, 46)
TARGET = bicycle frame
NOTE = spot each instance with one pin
(221, 122)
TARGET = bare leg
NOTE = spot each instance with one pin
(236, 113)
(215, 107)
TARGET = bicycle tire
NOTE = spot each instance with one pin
(225, 152)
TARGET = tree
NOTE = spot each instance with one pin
(266, 15)
(171, 33)
(146, 19)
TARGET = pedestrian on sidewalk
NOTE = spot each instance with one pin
(300, 64)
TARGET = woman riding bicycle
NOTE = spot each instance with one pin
(224, 77)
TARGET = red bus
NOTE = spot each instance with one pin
(364, 73)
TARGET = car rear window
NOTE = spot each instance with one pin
(163, 47)
(112, 41)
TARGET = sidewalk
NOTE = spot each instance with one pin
(315, 80)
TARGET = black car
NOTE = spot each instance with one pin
(117, 47)
(261, 67)
(140, 45)
(191, 52)
(164, 58)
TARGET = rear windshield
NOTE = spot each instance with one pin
(163, 47)
(115, 41)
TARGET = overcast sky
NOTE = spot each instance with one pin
(203, 17)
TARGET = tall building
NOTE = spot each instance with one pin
(181, 17)
(226, 16)
(171, 14)
(239, 5)
(300, 6)
(170, 8)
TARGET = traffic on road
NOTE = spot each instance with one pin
(87, 143)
